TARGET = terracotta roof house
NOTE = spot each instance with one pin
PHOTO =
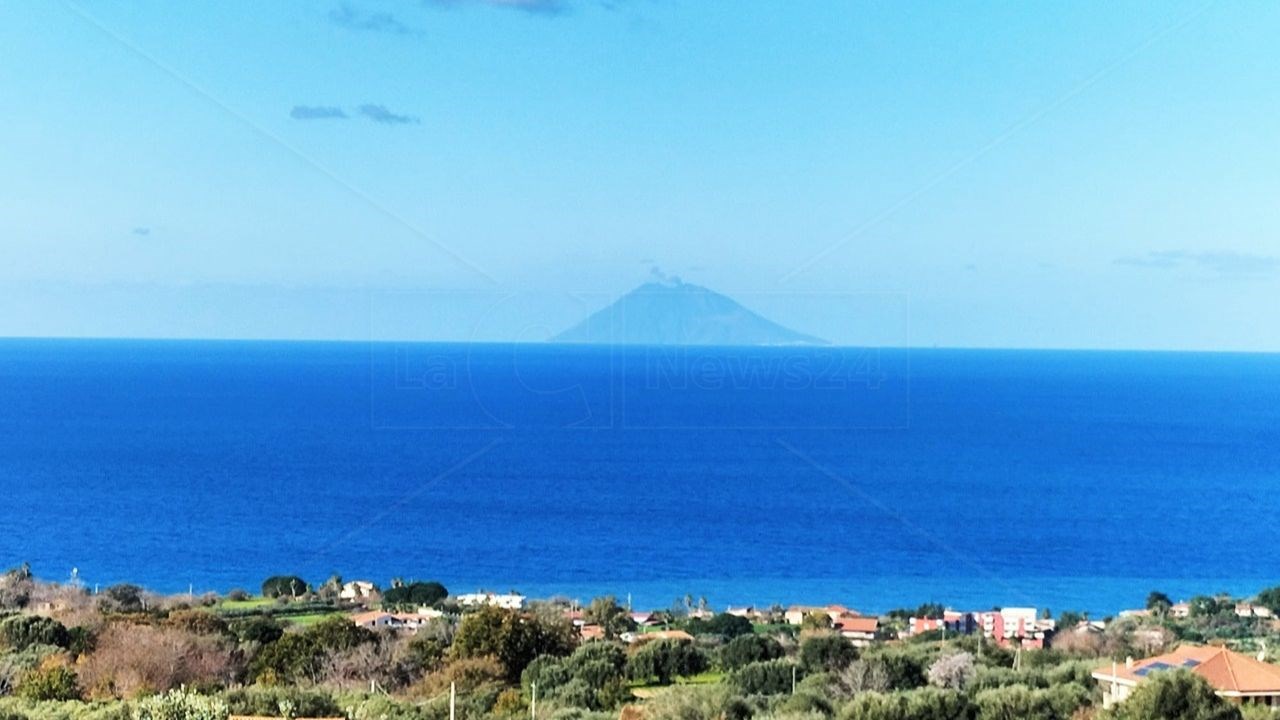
(1234, 676)
(860, 630)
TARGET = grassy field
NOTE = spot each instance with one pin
(250, 604)
(643, 690)
(308, 619)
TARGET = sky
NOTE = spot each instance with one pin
(973, 174)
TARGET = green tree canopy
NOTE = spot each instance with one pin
(612, 618)
(665, 659)
(1158, 602)
(278, 586)
(418, 593)
(826, 652)
(20, 632)
(514, 638)
(746, 649)
(723, 624)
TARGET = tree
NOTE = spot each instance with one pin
(278, 586)
(415, 594)
(1158, 602)
(16, 585)
(1270, 599)
(200, 622)
(612, 618)
(723, 624)
(767, 677)
(514, 638)
(826, 652)
(258, 629)
(331, 587)
(746, 649)
(1019, 702)
(1175, 695)
(665, 659)
(22, 631)
(1068, 619)
(123, 598)
(931, 610)
(1206, 606)
(816, 620)
(135, 659)
(592, 677)
(903, 669)
(952, 672)
(339, 633)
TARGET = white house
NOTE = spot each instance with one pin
(358, 590)
(509, 601)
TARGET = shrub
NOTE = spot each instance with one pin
(748, 649)
(767, 677)
(723, 624)
(22, 631)
(180, 705)
(138, 659)
(826, 652)
(268, 701)
(807, 703)
(952, 671)
(1175, 695)
(665, 659)
(1019, 702)
(50, 681)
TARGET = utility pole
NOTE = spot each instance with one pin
(533, 701)
(793, 679)
(452, 698)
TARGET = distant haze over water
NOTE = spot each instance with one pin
(875, 478)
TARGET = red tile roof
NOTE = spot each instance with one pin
(1228, 672)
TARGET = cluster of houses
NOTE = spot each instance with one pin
(1008, 627)
(1182, 610)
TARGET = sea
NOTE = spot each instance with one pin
(872, 477)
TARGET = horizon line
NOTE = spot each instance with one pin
(551, 343)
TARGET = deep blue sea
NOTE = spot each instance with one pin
(874, 478)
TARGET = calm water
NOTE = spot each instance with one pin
(876, 479)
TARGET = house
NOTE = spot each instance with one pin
(1247, 610)
(1233, 676)
(1019, 627)
(1089, 627)
(951, 623)
(590, 632)
(645, 619)
(796, 614)
(1135, 613)
(861, 631)
(509, 601)
(747, 612)
(1180, 610)
(412, 622)
(358, 590)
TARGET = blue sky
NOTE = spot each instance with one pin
(1099, 175)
